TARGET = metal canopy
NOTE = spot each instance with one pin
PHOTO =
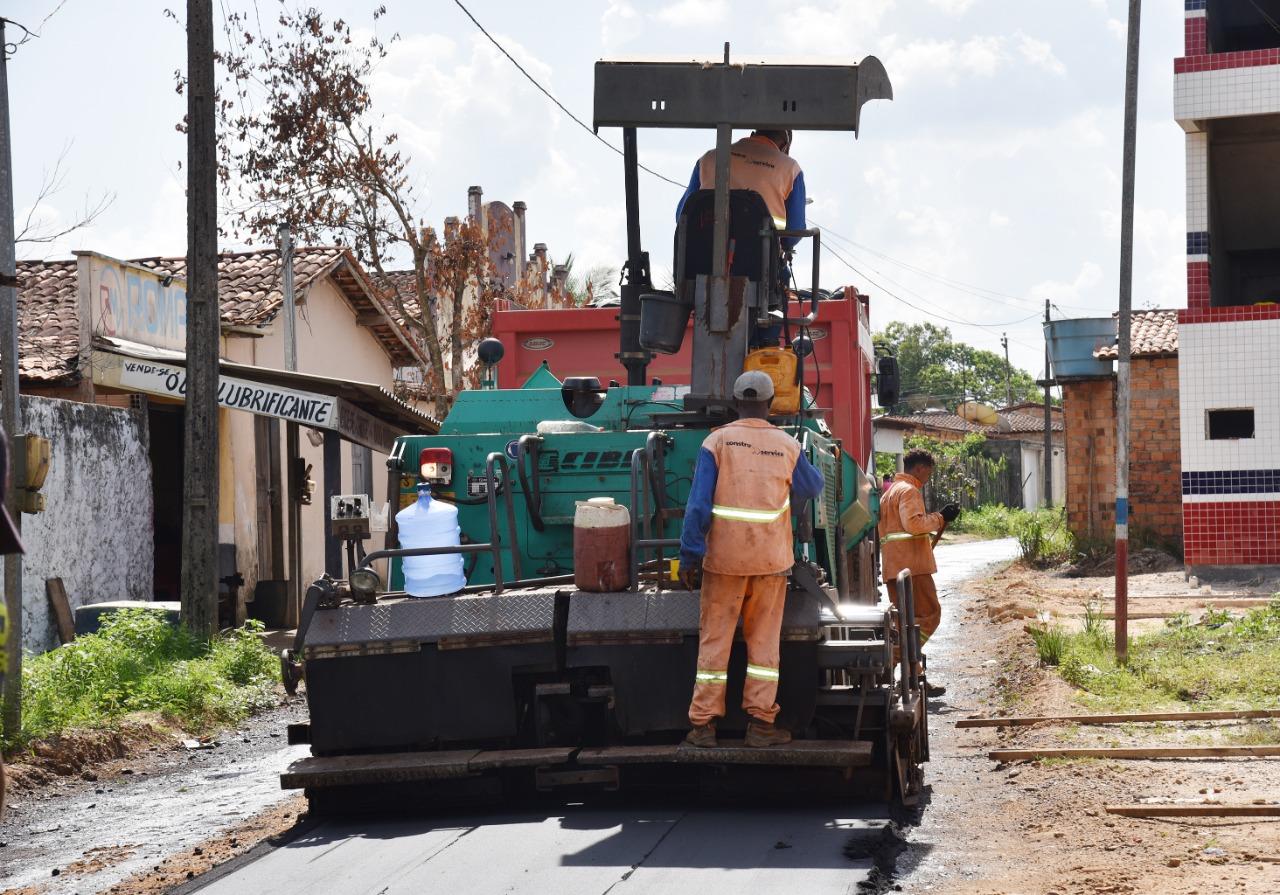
(707, 94)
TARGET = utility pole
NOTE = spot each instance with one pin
(292, 443)
(200, 436)
(12, 410)
(1126, 305)
(1048, 417)
(1008, 372)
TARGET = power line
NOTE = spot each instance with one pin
(547, 93)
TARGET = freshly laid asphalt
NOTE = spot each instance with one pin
(572, 849)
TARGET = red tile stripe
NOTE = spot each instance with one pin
(1198, 296)
(1237, 314)
(1231, 532)
(1216, 61)
(1195, 39)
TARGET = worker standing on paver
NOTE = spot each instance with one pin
(906, 542)
(737, 539)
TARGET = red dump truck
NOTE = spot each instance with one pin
(584, 342)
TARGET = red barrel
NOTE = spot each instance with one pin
(601, 545)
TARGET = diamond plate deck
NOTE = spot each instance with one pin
(525, 612)
(676, 611)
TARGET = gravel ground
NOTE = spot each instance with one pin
(72, 835)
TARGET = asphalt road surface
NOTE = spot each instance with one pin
(577, 850)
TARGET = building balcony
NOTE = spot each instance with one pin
(1232, 62)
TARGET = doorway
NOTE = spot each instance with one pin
(167, 478)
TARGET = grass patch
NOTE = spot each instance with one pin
(138, 662)
(1043, 537)
(1225, 661)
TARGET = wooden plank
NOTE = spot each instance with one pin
(56, 594)
(1141, 752)
(798, 753)
(1200, 810)
(395, 767)
(1122, 718)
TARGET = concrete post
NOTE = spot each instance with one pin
(518, 210)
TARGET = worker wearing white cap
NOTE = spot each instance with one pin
(737, 539)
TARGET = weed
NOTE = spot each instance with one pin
(1221, 662)
(139, 662)
(1051, 643)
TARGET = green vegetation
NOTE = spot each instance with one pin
(1043, 536)
(1051, 643)
(138, 662)
(1225, 661)
(932, 365)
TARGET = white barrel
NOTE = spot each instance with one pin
(431, 523)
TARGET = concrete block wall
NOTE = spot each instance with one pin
(96, 531)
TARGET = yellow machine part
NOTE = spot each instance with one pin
(779, 364)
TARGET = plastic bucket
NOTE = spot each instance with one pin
(1072, 344)
(663, 321)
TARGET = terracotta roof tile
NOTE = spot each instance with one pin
(1151, 334)
(48, 322)
(248, 288)
(1015, 422)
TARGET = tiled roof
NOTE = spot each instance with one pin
(249, 282)
(249, 293)
(1151, 334)
(48, 321)
(406, 284)
(1016, 422)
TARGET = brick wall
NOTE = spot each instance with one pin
(1155, 468)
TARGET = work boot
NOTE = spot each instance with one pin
(762, 733)
(933, 691)
(703, 736)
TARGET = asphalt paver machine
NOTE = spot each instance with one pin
(523, 682)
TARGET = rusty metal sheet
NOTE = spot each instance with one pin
(800, 753)
(395, 767)
(520, 758)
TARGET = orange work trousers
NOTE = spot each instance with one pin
(928, 609)
(759, 599)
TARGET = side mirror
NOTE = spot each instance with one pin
(888, 384)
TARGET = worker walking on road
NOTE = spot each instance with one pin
(737, 538)
(906, 542)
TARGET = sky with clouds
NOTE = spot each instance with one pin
(989, 184)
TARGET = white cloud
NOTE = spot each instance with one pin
(1119, 28)
(946, 60)
(952, 7)
(618, 23)
(694, 13)
(1081, 290)
(1040, 54)
(996, 220)
(838, 23)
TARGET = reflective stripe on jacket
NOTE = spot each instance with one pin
(905, 530)
(749, 532)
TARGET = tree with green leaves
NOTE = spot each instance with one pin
(934, 367)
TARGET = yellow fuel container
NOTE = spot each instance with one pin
(779, 364)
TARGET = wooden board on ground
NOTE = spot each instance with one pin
(1123, 718)
(1201, 810)
(1140, 752)
(56, 594)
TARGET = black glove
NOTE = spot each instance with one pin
(691, 573)
(950, 513)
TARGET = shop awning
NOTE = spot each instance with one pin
(360, 412)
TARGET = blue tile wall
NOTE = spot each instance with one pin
(1198, 243)
(1247, 481)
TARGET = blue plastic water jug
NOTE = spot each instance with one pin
(430, 523)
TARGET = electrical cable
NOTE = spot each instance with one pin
(547, 93)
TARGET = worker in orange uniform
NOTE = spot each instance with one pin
(763, 164)
(906, 542)
(737, 539)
